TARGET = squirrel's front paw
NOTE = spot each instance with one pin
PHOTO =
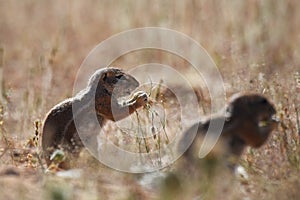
(140, 99)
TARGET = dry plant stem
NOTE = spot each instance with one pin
(284, 137)
(161, 122)
(144, 137)
(1, 71)
(40, 162)
(164, 129)
(2, 130)
(140, 130)
(3, 153)
(153, 114)
(200, 92)
(159, 136)
(35, 139)
(158, 89)
(297, 120)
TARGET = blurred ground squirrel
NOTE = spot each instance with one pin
(99, 98)
(249, 120)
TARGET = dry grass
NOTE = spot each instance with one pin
(256, 45)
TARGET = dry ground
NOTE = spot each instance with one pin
(255, 44)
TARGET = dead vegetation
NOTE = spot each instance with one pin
(255, 45)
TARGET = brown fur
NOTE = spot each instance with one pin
(248, 122)
(100, 96)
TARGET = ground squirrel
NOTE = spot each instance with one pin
(101, 96)
(249, 120)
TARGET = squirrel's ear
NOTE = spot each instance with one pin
(104, 76)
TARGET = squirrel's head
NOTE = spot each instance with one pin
(256, 116)
(114, 81)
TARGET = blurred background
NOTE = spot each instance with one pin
(255, 44)
(43, 43)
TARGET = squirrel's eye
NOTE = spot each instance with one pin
(119, 76)
(104, 77)
(263, 101)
